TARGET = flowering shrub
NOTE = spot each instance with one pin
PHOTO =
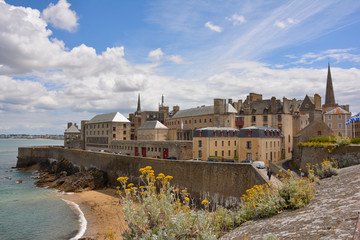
(156, 210)
(296, 192)
(323, 170)
(323, 142)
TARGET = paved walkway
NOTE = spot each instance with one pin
(276, 182)
(332, 214)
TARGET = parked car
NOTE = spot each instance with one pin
(196, 159)
(230, 161)
(171, 158)
(211, 160)
(247, 161)
(259, 164)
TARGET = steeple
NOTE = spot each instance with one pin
(138, 110)
(329, 94)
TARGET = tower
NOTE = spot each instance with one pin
(138, 110)
(329, 94)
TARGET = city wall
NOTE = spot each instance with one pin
(347, 155)
(221, 183)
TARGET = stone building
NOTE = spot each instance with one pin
(216, 142)
(252, 143)
(335, 115)
(71, 134)
(140, 117)
(153, 131)
(336, 120)
(102, 129)
(284, 115)
(260, 144)
(183, 123)
(155, 149)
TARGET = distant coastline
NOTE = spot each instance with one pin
(33, 137)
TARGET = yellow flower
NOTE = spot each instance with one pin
(141, 175)
(130, 185)
(187, 199)
(169, 177)
(141, 187)
(172, 234)
(253, 203)
(204, 202)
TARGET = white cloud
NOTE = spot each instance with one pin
(284, 24)
(156, 54)
(176, 59)
(61, 16)
(236, 19)
(339, 55)
(213, 27)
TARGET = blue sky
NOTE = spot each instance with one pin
(68, 60)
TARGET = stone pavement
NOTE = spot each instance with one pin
(332, 214)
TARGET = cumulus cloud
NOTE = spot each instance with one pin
(156, 54)
(213, 27)
(236, 19)
(61, 16)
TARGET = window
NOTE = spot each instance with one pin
(189, 121)
(229, 143)
(289, 138)
(253, 118)
(210, 120)
(288, 150)
(339, 116)
(199, 120)
(114, 135)
(229, 153)
(124, 132)
(216, 153)
(200, 154)
(339, 125)
(248, 144)
(195, 121)
(234, 153)
(215, 143)
(222, 143)
(279, 118)
(114, 128)
(248, 156)
(248, 133)
(265, 118)
(329, 117)
(200, 143)
(205, 120)
(222, 153)
(185, 121)
(234, 143)
(319, 133)
(330, 125)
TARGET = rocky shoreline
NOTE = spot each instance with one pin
(64, 176)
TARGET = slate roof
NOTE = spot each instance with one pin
(337, 110)
(109, 117)
(72, 129)
(152, 125)
(200, 111)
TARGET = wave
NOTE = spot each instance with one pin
(82, 219)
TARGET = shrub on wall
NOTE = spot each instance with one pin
(157, 210)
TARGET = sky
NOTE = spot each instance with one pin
(68, 60)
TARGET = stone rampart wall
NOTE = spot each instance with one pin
(222, 183)
(348, 155)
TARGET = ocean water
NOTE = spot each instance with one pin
(28, 212)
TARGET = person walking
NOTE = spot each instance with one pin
(269, 173)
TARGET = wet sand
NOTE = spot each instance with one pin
(102, 212)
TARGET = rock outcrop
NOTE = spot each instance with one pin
(63, 175)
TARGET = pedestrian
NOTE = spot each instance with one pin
(269, 173)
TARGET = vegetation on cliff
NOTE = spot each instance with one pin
(157, 210)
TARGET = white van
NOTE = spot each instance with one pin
(259, 164)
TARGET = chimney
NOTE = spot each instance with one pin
(69, 125)
(273, 105)
(286, 105)
(317, 101)
(75, 124)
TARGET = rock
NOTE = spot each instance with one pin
(18, 181)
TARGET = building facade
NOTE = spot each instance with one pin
(102, 129)
(336, 120)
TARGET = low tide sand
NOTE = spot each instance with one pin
(102, 212)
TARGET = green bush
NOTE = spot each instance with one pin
(355, 141)
(156, 210)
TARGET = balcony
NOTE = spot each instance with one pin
(239, 123)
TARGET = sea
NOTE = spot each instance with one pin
(29, 212)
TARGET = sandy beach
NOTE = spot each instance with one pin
(102, 212)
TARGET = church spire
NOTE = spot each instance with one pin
(138, 110)
(329, 94)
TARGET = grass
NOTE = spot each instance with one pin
(157, 210)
